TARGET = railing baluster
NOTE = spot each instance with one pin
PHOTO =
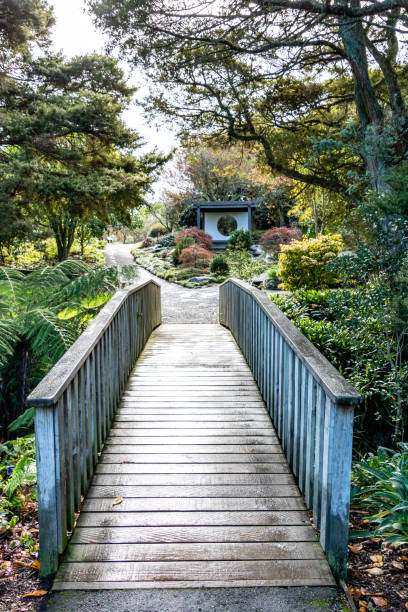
(74, 405)
(305, 396)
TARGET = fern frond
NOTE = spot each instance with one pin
(24, 473)
(49, 335)
(13, 279)
(72, 267)
(89, 285)
(9, 337)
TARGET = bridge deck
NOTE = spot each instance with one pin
(192, 488)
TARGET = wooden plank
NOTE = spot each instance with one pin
(192, 479)
(288, 572)
(279, 467)
(168, 534)
(190, 519)
(188, 504)
(191, 458)
(192, 448)
(139, 430)
(85, 553)
(113, 491)
(200, 440)
(183, 584)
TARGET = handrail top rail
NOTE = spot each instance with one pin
(334, 384)
(52, 386)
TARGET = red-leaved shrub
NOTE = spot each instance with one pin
(194, 257)
(147, 242)
(273, 239)
(200, 238)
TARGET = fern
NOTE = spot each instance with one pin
(49, 335)
(24, 473)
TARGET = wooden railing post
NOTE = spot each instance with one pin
(74, 406)
(310, 403)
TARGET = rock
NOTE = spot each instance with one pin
(200, 279)
(256, 250)
(259, 280)
(272, 283)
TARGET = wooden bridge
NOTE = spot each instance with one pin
(186, 481)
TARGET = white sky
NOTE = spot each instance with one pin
(75, 34)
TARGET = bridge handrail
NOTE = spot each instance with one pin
(310, 403)
(74, 406)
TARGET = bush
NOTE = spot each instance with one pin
(200, 238)
(346, 327)
(275, 238)
(147, 242)
(240, 240)
(183, 243)
(167, 240)
(157, 229)
(219, 265)
(243, 265)
(303, 264)
(194, 257)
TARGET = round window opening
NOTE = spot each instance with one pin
(226, 225)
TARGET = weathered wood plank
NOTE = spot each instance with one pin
(188, 504)
(192, 458)
(140, 430)
(286, 490)
(85, 553)
(192, 448)
(192, 479)
(280, 467)
(295, 571)
(209, 439)
(168, 534)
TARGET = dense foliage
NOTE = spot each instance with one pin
(273, 239)
(304, 263)
(240, 240)
(219, 265)
(380, 486)
(195, 256)
(347, 327)
(41, 314)
(200, 237)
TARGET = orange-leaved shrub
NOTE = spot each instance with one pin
(194, 257)
(200, 237)
(273, 239)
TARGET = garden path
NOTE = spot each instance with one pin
(179, 304)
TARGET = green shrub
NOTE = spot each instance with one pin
(219, 265)
(167, 240)
(243, 265)
(157, 229)
(303, 264)
(184, 243)
(240, 240)
(348, 329)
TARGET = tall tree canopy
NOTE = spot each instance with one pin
(66, 155)
(319, 85)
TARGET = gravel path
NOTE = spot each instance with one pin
(179, 304)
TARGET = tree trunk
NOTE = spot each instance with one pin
(368, 109)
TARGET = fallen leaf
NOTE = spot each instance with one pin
(404, 557)
(397, 565)
(35, 565)
(380, 602)
(39, 593)
(355, 548)
(375, 571)
(377, 559)
(117, 500)
(12, 577)
(362, 603)
(406, 605)
(21, 564)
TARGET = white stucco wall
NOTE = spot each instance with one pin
(211, 220)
